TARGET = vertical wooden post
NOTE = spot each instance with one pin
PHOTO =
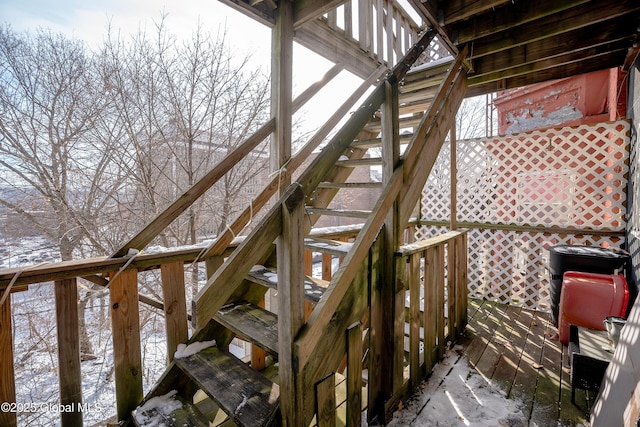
(66, 293)
(454, 178)
(354, 374)
(7, 373)
(430, 312)
(281, 88)
(326, 401)
(439, 285)
(125, 320)
(452, 288)
(463, 289)
(175, 306)
(290, 248)
(414, 319)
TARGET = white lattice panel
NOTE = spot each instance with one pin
(569, 177)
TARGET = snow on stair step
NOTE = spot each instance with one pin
(326, 246)
(313, 288)
(244, 394)
(251, 323)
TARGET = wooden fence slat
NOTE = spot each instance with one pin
(175, 306)
(452, 312)
(414, 319)
(430, 315)
(70, 378)
(439, 312)
(354, 374)
(7, 373)
(125, 319)
(326, 401)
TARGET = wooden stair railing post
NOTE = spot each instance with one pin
(290, 250)
(281, 90)
(125, 319)
(175, 306)
(7, 373)
(66, 293)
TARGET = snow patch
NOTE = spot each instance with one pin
(242, 404)
(457, 395)
(164, 405)
(193, 348)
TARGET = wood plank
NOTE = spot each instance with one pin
(368, 185)
(365, 161)
(291, 315)
(313, 287)
(307, 10)
(524, 385)
(511, 16)
(327, 246)
(7, 372)
(354, 375)
(552, 25)
(244, 394)
(175, 306)
(251, 323)
(326, 401)
(127, 360)
(338, 212)
(430, 300)
(507, 367)
(414, 319)
(439, 284)
(69, 375)
(497, 335)
(546, 406)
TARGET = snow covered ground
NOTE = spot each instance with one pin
(457, 395)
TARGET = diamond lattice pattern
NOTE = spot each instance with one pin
(573, 177)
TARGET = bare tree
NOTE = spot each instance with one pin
(50, 100)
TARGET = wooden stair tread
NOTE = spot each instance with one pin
(405, 138)
(373, 184)
(313, 288)
(187, 414)
(251, 323)
(338, 212)
(365, 161)
(326, 246)
(244, 394)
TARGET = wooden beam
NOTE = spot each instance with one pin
(509, 16)
(453, 163)
(291, 315)
(281, 89)
(459, 10)
(125, 321)
(429, 13)
(7, 372)
(175, 306)
(261, 12)
(354, 374)
(307, 10)
(561, 22)
(69, 375)
(326, 401)
(604, 34)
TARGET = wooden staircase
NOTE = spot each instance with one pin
(214, 385)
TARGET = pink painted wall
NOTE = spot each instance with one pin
(587, 98)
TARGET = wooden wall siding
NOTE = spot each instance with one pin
(524, 192)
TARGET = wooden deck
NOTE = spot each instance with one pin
(518, 350)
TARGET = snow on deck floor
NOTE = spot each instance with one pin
(457, 395)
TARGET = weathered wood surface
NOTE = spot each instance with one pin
(253, 401)
(326, 401)
(69, 375)
(354, 375)
(251, 323)
(125, 321)
(7, 373)
(326, 246)
(186, 415)
(291, 310)
(313, 288)
(175, 306)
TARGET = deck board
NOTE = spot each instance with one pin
(521, 351)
